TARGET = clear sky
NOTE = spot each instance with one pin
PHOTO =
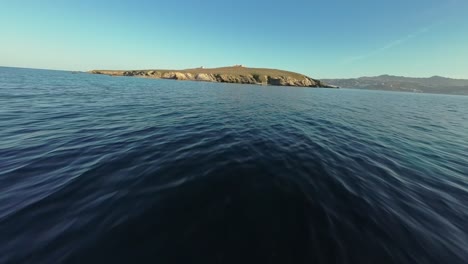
(323, 39)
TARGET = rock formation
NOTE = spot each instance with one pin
(235, 74)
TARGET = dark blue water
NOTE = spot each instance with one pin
(99, 169)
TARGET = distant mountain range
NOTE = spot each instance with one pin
(435, 84)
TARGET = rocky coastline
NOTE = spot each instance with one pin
(234, 74)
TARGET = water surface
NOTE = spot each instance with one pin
(99, 169)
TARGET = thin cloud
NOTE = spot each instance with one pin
(390, 45)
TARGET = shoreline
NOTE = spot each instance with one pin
(234, 74)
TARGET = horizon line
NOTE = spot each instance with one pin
(326, 78)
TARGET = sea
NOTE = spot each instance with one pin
(101, 169)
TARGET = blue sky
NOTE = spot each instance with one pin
(323, 39)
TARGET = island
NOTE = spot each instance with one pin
(233, 74)
(434, 84)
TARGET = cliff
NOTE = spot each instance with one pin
(234, 74)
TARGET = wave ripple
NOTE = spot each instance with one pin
(98, 169)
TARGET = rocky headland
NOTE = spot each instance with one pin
(235, 74)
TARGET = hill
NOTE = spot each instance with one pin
(435, 84)
(233, 74)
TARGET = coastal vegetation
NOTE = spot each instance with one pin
(233, 74)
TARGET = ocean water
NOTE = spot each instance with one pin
(100, 169)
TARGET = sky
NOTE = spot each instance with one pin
(322, 39)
